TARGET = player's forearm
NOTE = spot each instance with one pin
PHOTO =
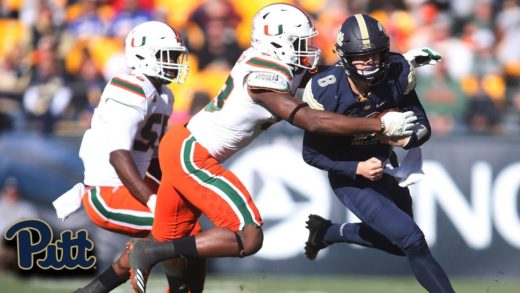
(129, 175)
(336, 124)
(287, 108)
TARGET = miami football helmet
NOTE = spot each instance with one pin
(155, 49)
(359, 37)
(287, 33)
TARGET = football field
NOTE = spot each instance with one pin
(272, 284)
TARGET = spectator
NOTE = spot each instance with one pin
(482, 113)
(86, 87)
(47, 95)
(15, 71)
(511, 119)
(88, 23)
(128, 17)
(443, 100)
(218, 20)
(12, 208)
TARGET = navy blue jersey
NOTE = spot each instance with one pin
(329, 90)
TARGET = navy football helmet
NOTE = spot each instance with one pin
(360, 36)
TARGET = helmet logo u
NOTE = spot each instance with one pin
(280, 30)
(143, 41)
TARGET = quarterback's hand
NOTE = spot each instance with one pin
(422, 56)
(371, 169)
(398, 123)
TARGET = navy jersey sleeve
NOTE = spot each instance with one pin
(402, 76)
(422, 129)
(314, 152)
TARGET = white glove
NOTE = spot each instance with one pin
(398, 124)
(152, 200)
(422, 56)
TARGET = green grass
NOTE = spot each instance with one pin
(272, 284)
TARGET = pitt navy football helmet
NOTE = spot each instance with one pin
(359, 37)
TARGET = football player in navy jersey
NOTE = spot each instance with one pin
(367, 81)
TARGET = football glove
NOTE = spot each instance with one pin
(398, 123)
(422, 56)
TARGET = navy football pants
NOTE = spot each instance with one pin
(385, 210)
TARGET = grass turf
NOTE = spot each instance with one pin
(272, 284)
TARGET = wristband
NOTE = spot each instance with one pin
(152, 200)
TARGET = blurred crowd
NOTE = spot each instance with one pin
(57, 55)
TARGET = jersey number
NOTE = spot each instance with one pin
(217, 103)
(325, 81)
(149, 134)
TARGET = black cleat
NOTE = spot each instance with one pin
(139, 265)
(317, 227)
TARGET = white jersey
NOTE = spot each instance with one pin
(132, 116)
(233, 119)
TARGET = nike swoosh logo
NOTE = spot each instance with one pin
(380, 104)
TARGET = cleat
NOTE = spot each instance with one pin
(139, 266)
(317, 227)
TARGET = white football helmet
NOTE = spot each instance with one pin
(155, 49)
(286, 32)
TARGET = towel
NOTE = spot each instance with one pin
(69, 202)
(410, 168)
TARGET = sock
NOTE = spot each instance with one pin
(360, 234)
(105, 282)
(182, 247)
(185, 247)
(177, 284)
(334, 234)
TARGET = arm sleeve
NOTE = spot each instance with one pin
(314, 154)
(422, 129)
(122, 124)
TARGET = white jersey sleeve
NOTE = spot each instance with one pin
(122, 125)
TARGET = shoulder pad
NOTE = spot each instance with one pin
(129, 90)
(267, 80)
(270, 64)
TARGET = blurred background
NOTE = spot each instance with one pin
(57, 55)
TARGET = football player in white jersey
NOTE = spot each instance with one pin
(258, 93)
(121, 144)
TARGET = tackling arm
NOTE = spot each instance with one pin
(284, 105)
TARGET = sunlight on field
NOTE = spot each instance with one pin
(271, 284)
